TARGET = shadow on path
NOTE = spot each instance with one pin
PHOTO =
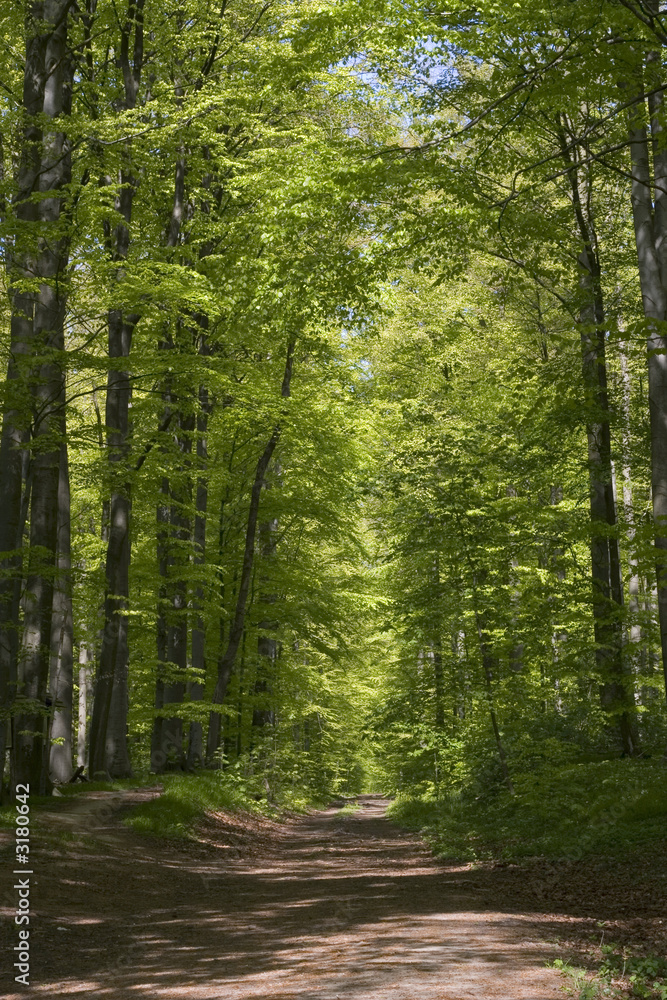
(335, 907)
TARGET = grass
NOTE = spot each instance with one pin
(603, 807)
(186, 798)
(349, 809)
(184, 801)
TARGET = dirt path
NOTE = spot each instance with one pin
(324, 907)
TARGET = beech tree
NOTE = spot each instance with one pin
(329, 443)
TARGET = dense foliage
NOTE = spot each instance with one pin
(334, 441)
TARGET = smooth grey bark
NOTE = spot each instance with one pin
(45, 170)
(21, 265)
(649, 212)
(555, 560)
(62, 637)
(616, 690)
(439, 684)
(85, 698)
(460, 690)
(228, 658)
(636, 652)
(617, 683)
(14, 438)
(108, 738)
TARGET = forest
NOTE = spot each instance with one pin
(334, 415)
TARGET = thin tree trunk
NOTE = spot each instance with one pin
(616, 681)
(62, 638)
(515, 657)
(180, 531)
(489, 661)
(635, 650)
(651, 245)
(85, 695)
(195, 754)
(615, 693)
(439, 684)
(267, 644)
(167, 740)
(490, 666)
(158, 751)
(557, 637)
(227, 660)
(436, 649)
(108, 741)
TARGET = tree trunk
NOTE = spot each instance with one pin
(14, 438)
(45, 169)
(108, 740)
(180, 530)
(616, 695)
(615, 689)
(267, 644)
(651, 245)
(195, 753)
(635, 647)
(489, 661)
(85, 696)
(62, 639)
(158, 750)
(515, 657)
(439, 684)
(489, 667)
(227, 660)
(436, 649)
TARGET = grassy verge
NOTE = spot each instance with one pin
(186, 798)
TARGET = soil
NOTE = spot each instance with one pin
(329, 906)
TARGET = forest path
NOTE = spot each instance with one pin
(332, 906)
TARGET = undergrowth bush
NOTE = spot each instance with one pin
(587, 807)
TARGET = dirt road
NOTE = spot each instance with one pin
(327, 906)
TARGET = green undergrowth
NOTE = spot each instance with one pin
(618, 977)
(603, 807)
(186, 798)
